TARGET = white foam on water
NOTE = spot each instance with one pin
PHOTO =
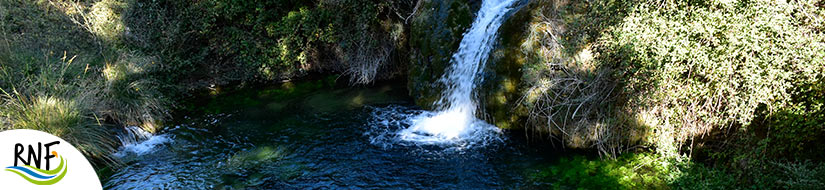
(454, 121)
(392, 125)
(137, 141)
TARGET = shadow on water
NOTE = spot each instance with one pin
(319, 138)
(310, 135)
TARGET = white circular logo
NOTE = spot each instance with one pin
(32, 159)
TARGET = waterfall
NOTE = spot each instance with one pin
(138, 141)
(455, 114)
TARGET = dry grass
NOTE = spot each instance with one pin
(129, 96)
(101, 18)
(568, 94)
(372, 52)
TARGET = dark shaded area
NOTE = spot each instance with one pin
(274, 139)
(436, 32)
(222, 42)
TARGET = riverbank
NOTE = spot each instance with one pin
(86, 70)
(280, 126)
(668, 94)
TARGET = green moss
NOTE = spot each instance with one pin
(502, 88)
(436, 33)
(630, 171)
(652, 171)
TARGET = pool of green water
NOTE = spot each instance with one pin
(316, 135)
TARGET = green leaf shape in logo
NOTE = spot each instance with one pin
(63, 166)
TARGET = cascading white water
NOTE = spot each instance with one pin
(138, 141)
(454, 117)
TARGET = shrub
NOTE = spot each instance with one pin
(218, 42)
(569, 91)
(681, 68)
(797, 131)
(699, 67)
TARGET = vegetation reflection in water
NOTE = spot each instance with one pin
(315, 135)
(310, 135)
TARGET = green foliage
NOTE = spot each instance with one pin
(763, 174)
(698, 176)
(666, 72)
(683, 71)
(217, 42)
(270, 33)
(652, 171)
(798, 130)
(629, 171)
(712, 63)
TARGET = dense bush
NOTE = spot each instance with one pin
(797, 131)
(696, 66)
(666, 72)
(218, 42)
(738, 81)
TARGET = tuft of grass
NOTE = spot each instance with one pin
(57, 98)
(83, 98)
(66, 119)
(132, 97)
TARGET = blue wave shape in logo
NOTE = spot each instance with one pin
(34, 175)
(31, 173)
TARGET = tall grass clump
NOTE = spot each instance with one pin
(57, 100)
(85, 98)
(62, 118)
(131, 96)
